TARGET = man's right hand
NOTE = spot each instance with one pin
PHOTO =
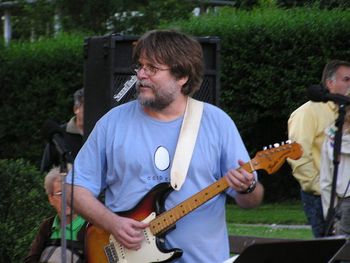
(128, 232)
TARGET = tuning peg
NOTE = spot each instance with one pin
(276, 145)
(288, 141)
(264, 148)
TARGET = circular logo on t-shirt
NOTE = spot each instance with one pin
(162, 158)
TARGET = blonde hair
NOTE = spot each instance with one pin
(53, 175)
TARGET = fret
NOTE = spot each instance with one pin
(170, 217)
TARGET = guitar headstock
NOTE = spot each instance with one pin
(272, 159)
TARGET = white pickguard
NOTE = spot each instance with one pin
(147, 253)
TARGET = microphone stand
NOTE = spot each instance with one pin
(63, 171)
(336, 160)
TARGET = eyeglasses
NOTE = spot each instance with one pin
(57, 193)
(149, 70)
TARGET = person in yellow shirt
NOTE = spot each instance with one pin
(306, 126)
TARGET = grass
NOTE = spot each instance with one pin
(269, 220)
(270, 231)
(278, 213)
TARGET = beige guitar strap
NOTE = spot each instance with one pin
(186, 142)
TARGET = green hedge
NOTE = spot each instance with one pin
(23, 206)
(37, 82)
(268, 59)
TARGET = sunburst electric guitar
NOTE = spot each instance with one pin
(103, 247)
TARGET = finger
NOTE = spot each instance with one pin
(139, 225)
(237, 176)
(131, 246)
(134, 232)
(132, 241)
(247, 176)
(241, 163)
(235, 180)
(242, 186)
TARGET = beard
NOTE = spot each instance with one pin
(162, 96)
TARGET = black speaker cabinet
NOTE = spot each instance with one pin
(107, 66)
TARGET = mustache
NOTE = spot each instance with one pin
(144, 83)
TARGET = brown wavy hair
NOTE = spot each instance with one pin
(180, 52)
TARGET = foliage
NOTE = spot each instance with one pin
(137, 19)
(32, 20)
(23, 206)
(42, 18)
(328, 4)
(85, 15)
(37, 82)
(267, 58)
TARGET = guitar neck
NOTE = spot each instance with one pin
(167, 219)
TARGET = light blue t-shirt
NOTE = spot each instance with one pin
(128, 153)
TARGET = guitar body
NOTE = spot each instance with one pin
(102, 247)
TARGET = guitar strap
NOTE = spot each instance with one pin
(186, 142)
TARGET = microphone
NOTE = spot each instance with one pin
(53, 133)
(318, 93)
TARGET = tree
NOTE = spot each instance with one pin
(32, 19)
(329, 4)
(146, 15)
(85, 15)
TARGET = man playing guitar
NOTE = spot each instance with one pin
(129, 156)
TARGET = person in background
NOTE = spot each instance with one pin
(306, 126)
(131, 148)
(342, 198)
(73, 135)
(46, 246)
